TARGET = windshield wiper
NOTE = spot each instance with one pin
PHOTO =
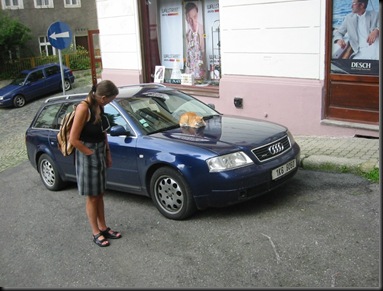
(166, 128)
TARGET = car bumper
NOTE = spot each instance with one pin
(247, 184)
(6, 103)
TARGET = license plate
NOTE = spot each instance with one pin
(284, 169)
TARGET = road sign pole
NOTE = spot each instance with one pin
(62, 72)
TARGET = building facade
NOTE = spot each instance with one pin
(273, 60)
(38, 15)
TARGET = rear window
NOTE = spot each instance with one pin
(51, 115)
(52, 70)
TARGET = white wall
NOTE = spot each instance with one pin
(273, 38)
(119, 32)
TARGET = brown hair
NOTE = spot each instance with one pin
(105, 88)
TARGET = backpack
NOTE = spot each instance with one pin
(65, 147)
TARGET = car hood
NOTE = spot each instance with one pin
(8, 89)
(227, 133)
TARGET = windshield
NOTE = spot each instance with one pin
(160, 110)
(19, 79)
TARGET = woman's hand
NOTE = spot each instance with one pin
(108, 159)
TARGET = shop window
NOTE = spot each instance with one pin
(185, 41)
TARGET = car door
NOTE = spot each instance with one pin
(53, 79)
(123, 175)
(34, 85)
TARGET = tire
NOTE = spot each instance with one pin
(171, 194)
(67, 84)
(49, 173)
(19, 101)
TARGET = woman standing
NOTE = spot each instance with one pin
(88, 135)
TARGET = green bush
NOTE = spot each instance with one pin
(80, 59)
(75, 59)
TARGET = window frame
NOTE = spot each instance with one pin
(42, 6)
(47, 46)
(71, 4)
(11, 6)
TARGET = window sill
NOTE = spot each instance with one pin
(202, 91)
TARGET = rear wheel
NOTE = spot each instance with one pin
(18, 101)
(171, 194)
(67, 85)
(49, 173)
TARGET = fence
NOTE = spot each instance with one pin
(74, 61)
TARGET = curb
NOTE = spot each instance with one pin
(331, 164)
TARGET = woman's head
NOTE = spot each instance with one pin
(104, 92)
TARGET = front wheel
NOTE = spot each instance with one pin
(171, 194)
(49, 173)
(19, 101)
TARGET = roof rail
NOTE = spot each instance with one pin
(65, 97)
(143, 85)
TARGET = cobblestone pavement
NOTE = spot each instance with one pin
(15, 121)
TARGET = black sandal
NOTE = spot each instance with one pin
(99, 242)
(108, 233)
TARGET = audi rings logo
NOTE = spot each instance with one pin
(276, 148)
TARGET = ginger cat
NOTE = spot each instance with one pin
(191, 119)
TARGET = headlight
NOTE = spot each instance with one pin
(228, 162)
(292, 140)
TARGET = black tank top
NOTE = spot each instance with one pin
(95, 132)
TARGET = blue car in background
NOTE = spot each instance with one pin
(182, 169)
(35, 83)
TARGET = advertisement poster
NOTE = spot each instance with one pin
(195, 40)
(159, 74)
(171, 17)
(356, 37)
(213, 44)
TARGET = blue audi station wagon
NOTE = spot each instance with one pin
(182, 169)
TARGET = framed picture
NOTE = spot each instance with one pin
(159, 74)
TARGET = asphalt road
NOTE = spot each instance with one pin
(320, 230)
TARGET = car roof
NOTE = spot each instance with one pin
(124, 91)
(40, 67)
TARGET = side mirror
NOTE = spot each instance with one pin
(118, 130)
(211, 105)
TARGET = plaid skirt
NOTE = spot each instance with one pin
(91, 170)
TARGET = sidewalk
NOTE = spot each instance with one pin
(353, 154)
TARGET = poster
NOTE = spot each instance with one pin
(355, 38)
(171, 16)
(213, 41)
(195, 54)
(159, 74)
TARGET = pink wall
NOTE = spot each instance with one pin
(295, 103)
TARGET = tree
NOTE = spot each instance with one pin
(13, 35)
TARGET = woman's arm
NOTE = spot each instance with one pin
(80, 118)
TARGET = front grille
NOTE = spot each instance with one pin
(273, 149)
